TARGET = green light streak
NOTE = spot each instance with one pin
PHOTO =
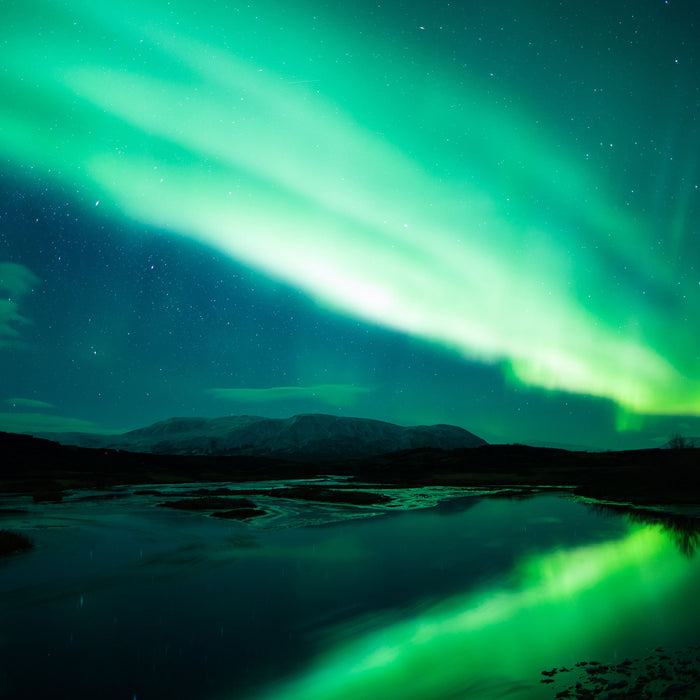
(483, 643)
(28, 403)
(166, 122)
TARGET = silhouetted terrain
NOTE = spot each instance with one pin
(308, 437)
(650, 476)
(34, 464)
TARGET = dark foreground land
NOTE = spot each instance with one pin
(641, 477)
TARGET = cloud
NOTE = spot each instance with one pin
(45, 423)
(16, 281)
(333, 394)
(28, 403)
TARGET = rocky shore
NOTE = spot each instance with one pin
(660, 675)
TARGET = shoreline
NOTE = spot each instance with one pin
(641, 478)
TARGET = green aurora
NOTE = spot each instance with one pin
(528, 218)
(559, 607)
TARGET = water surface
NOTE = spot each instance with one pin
(462, 597)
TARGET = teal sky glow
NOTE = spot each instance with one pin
(486, 214)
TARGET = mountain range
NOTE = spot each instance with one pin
(305, 437)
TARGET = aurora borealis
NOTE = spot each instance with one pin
(467, 214)
(471, 645)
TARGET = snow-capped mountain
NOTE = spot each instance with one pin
(302, 437)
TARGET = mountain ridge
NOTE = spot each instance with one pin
(306, 436)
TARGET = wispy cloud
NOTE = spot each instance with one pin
(45, 423)
(332, 394)
(28, 403)
(16, 281)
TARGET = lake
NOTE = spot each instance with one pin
(445, 594)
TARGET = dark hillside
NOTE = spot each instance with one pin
(642, 476)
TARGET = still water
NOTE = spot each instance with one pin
(446, 596)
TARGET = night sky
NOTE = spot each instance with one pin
(483, 214)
